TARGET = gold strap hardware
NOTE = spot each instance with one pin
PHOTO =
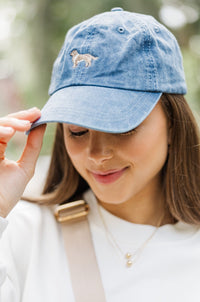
(71, 211)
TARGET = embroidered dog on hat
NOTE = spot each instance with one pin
(76, 58)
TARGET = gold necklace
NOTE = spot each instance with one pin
(129, 257)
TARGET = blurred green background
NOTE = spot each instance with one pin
(32, 33)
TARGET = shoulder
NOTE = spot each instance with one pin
(26, 223)
(28, 214)
(30, 233)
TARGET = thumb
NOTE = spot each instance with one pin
(32, 150)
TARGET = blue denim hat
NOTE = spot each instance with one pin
(111, 72)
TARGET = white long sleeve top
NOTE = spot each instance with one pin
(34, 267)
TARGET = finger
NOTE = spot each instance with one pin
(2, 150)
(31, 114)
(18, 125)
(21, 121)
(6, 133)
(32, 149)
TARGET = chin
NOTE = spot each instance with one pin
(109, 197)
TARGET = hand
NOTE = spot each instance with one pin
(14, 176)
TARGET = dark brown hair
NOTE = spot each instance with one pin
(181, 172)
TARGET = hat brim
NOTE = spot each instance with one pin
(99, 108)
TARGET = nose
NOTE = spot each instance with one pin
(100, 147)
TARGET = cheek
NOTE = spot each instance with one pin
(76, 152)
(150, 149)
(71, 148)
(71, 145)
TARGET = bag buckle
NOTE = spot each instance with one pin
(71, 211)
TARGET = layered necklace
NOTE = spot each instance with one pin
(129, 257)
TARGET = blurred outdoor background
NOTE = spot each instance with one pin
(32, 33)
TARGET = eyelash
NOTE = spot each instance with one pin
(128, 132)
(77, 134)
(81, 133)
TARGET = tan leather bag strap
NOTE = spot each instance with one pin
(85, 275)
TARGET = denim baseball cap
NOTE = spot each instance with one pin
(112, 71)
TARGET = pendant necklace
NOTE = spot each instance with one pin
(130, 257)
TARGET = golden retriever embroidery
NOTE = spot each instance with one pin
(76, 58)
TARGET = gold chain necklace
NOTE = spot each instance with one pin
(129, 257)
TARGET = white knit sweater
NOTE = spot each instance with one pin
(33, 264)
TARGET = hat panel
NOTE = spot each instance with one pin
(99, 108)
(118, 58)
(131, 52)
(111, 72)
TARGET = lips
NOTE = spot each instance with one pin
(108, 176)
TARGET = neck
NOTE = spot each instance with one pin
(141, 210)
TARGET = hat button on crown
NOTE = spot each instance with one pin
(116, 9)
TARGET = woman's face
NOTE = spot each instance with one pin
(121, 167)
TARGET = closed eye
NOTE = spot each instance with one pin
(77, 133)
(128, 132)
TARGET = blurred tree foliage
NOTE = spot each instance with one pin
(42, 24)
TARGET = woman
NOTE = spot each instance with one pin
(127, 143)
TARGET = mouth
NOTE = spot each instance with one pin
(109, 176)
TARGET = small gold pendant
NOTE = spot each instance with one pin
(128, 255)
(129, 261)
